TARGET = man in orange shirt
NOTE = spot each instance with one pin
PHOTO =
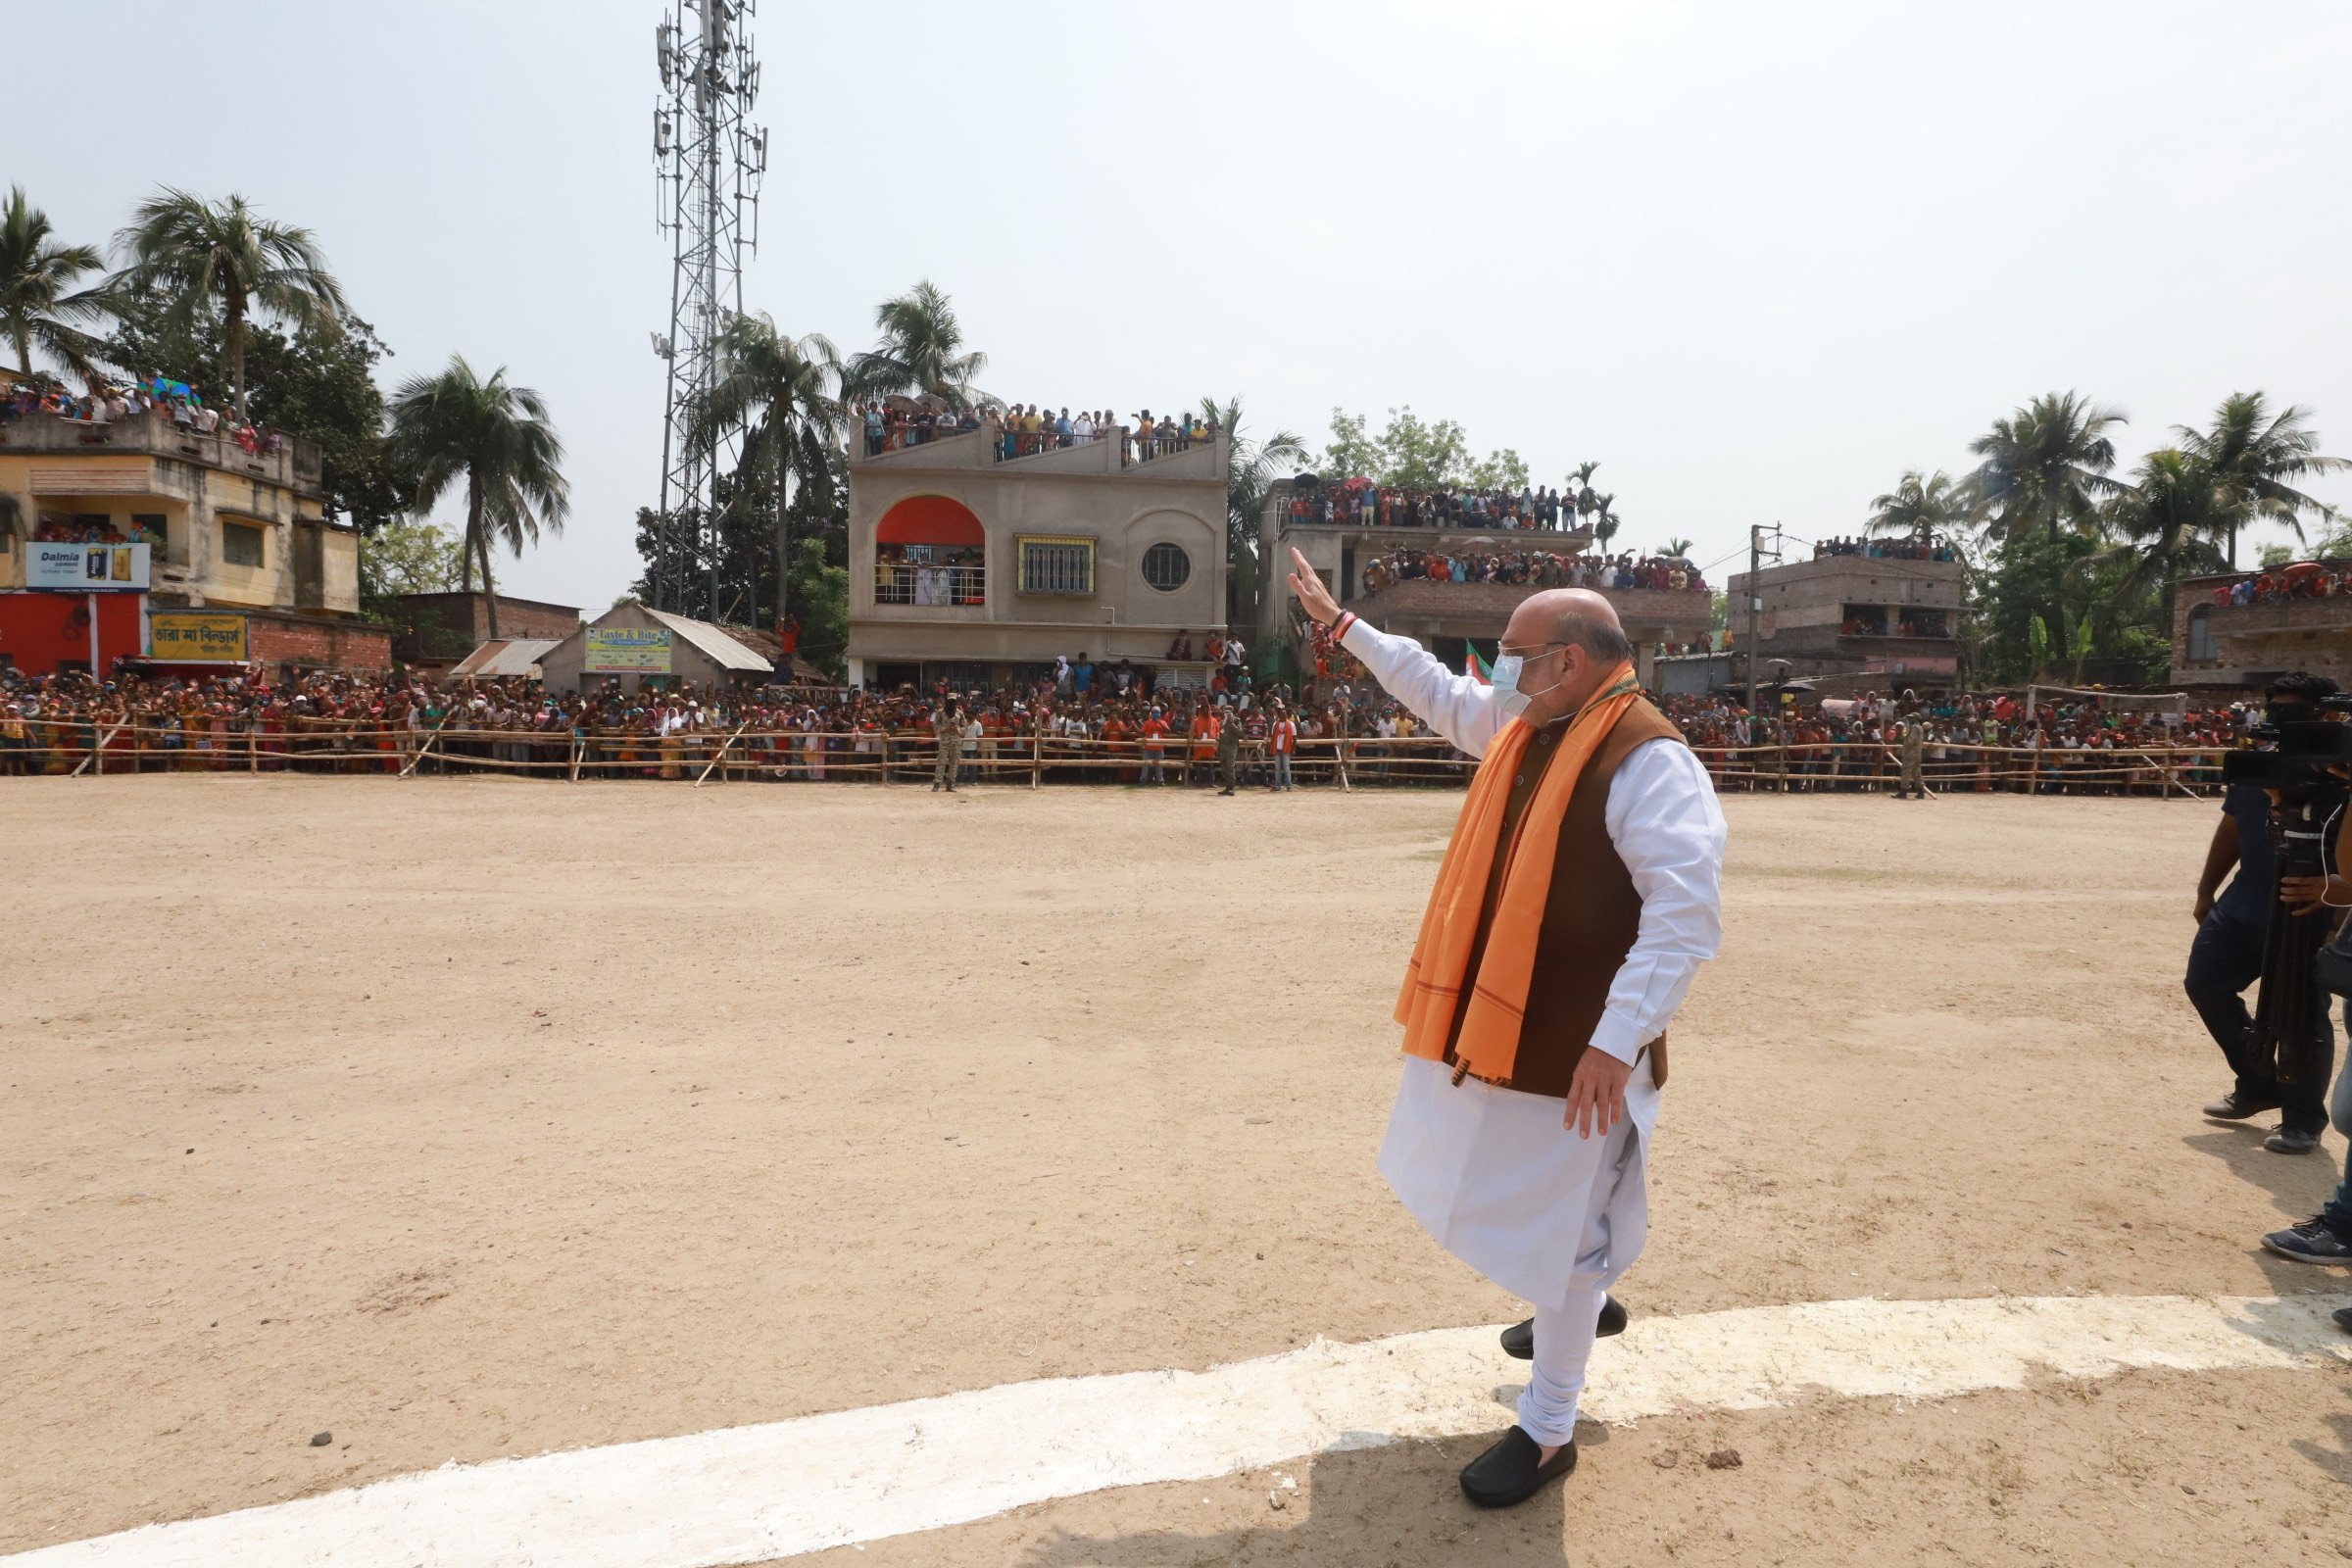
(1282, 741)
(1205, 745)
(1155, 750)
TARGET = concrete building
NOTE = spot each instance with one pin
(1867, 617)
(1446, 615)
(640, 647)
(2217, 642)
(225, 530)
(977, 570)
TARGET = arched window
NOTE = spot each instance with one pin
(2200, 635)
(930, 550)
(1167, 567)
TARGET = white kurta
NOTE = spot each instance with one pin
(1492, 1173)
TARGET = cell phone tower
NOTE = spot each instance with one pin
(709, 159)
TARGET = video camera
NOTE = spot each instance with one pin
(2305, 749)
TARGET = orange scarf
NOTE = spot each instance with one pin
(1488, 1045)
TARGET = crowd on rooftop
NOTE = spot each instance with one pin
(1023, 429)
(1365, 505)
(152, 397)
(1901, 549)
(2301, 579)
(1542, 568)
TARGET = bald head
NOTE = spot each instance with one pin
(1577, 617)
(1571, 640)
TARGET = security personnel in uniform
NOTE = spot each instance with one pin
(947, 729)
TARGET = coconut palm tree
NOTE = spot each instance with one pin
(1251, 465)
(204, 254)
(39, 302)
(1580, 489)
(779, 392)
(1605, 522)
(2166, 520)
(921, 352)
(1922, 507)
(2046, 464)
(2254, 456)
(497, 438)
(1676, 549)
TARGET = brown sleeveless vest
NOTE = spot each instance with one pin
(1591, 915)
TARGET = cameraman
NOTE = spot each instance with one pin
(2226, 955)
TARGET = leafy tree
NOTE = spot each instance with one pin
(495, 437)
(40, 308)
(318, 385)
(778, 392)
(1923, 505)
(405, 557)
(2045, 465)
(223, 256)
(921, 352)
(1412, 454)
(820, 596)
(2256, 458)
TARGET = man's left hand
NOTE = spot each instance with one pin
(1596, 1094)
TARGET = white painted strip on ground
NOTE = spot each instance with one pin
(750, 1494)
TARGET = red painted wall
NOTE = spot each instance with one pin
(39, 630)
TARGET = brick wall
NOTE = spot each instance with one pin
(275, 640)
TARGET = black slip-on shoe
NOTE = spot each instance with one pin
(2315, 1240)
(2291, 1141)
(1512, 1471)
(1519, 1339)
(2234, 1106)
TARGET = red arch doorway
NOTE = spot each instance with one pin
(930, 550)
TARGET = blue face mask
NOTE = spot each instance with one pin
(1507, 694)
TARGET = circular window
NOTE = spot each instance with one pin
(1166, 567)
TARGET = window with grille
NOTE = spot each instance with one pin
(1166, 567)
(240, 543)
(1052, 566)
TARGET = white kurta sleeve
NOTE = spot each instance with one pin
(1461, 707)
(1664, 821)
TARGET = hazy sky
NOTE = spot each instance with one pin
(1755, 259)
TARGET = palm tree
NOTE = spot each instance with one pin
(2167, 520)
(1250, 469)
(2046, 464)
(1605, 521)
(1580, 489)
(204, 254)
(921, 352)
(495, 436)
(39, 302)
(1922, 507)
(2252, 459)
(778, 390)
(1676, 549)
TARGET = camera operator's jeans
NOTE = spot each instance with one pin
(2223, 960)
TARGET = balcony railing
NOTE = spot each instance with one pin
(941, 587)
(295, 462)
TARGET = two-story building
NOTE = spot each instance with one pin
(977, 570)
(240, 535)
(1875, 617)
(2238, 630)
(1445, 616)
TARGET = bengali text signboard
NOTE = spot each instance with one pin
(627, 650)
(85, 569)
(185, 637)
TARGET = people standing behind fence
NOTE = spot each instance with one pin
(1534, 568)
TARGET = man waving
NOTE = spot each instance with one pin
(1578, 898)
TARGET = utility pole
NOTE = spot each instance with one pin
(1755, 601)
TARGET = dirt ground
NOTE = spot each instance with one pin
(467, 1118)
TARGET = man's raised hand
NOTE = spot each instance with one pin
(1314, 597)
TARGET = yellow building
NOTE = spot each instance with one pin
(230, 529)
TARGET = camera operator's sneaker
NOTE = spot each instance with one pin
(2315, 1240)
(2291, 1141)
(2233, 1107)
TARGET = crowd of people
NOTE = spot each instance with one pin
(1078, 722)
(153, 397)
(1365, 505)
(2301, 579)
(1912, 549)
(1542, 569)
(1023, 429)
